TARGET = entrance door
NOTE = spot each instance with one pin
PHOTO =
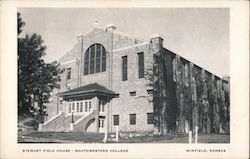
(101, 125)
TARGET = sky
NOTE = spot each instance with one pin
(199, 35)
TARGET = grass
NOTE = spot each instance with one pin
(86, 137)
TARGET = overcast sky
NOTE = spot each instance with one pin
(199, 35)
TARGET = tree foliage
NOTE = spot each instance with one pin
(20, 23)
(36, 79)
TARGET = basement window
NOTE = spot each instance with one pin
(150, 91)
(132, 93)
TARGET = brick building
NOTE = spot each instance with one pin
(114, 79)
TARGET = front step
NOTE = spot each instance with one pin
(59, 124)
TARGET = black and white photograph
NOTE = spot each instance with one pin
(114, 76)
(124, 79)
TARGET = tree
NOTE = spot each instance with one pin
(20, 23)
(36, 79)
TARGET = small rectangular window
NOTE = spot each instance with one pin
(116, 119)
(86, 106)
(132, 119)
(132, 93)
(73, 107)
(141, 65)
(68, 73)
(101, 123)
(81, 107)
(124, 68)
(150, 91)
(69, 107)
(117, 95)
(77, 107)
(89, 106)
(150, 118)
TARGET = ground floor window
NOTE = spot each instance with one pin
(150, 118)
(78, 106)
(101, 123)
(89, 106)
(69, 107)
(116, 119)
(132, 119)
(81, 107)
(73, 107)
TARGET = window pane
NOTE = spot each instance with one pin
(86, 63)
(92, 59)
(68, 73)
(132, 119)
(81, 107)
(73, 106)
(69, 107)
(98, 58)
(116, 119)
(102, 123)
(86, 106)
(141, 65)
(103, 59)
(124, 68)
(89, 105)
(77, 107)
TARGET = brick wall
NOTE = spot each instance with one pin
(172, 78)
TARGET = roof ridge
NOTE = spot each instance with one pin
(129, 35)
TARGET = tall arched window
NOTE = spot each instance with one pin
(95, 59)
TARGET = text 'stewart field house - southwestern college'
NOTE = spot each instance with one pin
(114, 79)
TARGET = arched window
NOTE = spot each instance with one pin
(95, 59)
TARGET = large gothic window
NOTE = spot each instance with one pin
(95, 59)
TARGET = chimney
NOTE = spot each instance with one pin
(156, 43)
(96, 24)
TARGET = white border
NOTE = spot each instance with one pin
(239, 71)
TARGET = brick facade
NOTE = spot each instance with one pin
(117, 45)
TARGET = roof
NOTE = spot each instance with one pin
(88, 89)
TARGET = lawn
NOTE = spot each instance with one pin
(88, 137)
(50, 137)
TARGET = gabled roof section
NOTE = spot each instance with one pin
(87, 89)
(122, 34)
(116, 33)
